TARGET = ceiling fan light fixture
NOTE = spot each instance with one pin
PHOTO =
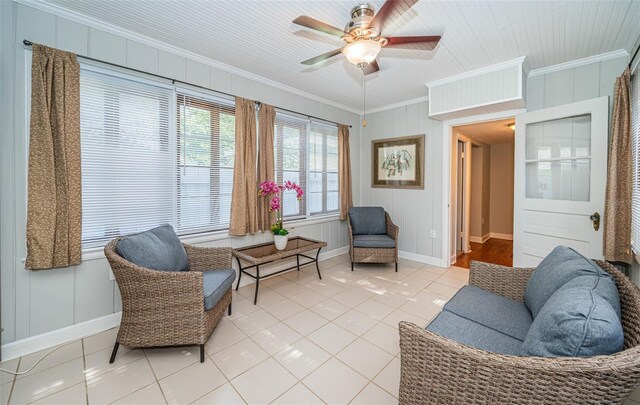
(362, 52)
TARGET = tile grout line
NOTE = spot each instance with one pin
(84, 374)
(13, 381)
(155, 377)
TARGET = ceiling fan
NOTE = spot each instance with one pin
(363, 34)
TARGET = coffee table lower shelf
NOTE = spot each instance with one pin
(260, 255)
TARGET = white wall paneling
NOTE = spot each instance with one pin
(493, 88)
(416, 212)
(37, 302)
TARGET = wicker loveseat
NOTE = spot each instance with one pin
(172, 308)
(373, 237)
(439, 370)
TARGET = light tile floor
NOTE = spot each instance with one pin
(308, 341)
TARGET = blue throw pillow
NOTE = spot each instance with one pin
(156, 249)
(560, 266)
(575, 322)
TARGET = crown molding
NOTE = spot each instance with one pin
(398, 104)
(113, 29)
(473, 73)
(579, 62)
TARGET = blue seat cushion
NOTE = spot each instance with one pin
(491, 310)
(575, 322)
(215, 284)
(156, 249)
(474, 334)
(368, 220)
(560, 266)
(373, 241)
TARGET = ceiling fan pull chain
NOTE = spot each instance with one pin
(364, 100)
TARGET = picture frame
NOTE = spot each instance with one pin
(398, 162)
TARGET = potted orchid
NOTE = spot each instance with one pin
(271, 188)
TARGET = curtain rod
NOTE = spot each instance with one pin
(26, 42)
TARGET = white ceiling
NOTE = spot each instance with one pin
(257, 36)
(490, 132)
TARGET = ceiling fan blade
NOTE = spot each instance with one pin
(429, 42)
(314, 24)
(323, 57)
(389, 11)
(371, 67)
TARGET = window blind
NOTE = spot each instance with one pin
(206, 149)
(635, 151)
(323, 169)
(290, 144)
(127, 156)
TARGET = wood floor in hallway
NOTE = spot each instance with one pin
(496, 251)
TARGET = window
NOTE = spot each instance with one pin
(152, 154)
(127, 156)
(323, 169)
(206, 149)
(290, 144)
(307, 153)
(635, 150)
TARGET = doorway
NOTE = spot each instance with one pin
(484, 192)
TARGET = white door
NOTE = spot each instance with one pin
(560, 178)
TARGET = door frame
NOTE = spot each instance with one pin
(448, 138)
(598, 109)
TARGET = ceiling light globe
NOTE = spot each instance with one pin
(361, 53)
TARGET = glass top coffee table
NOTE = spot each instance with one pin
(257, 255)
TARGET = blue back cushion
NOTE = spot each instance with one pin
(560, 266)
(368, 220)
(603, 285)
(157, 249)
(575, 322)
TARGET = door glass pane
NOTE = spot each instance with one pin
(563, 138)
(559, 180)
(558, 159)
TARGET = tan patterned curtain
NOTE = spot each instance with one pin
(244, 197)
(344, 171)
(266, 171)
(54, 208)
(617, 211)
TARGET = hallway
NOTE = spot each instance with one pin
(497, 251)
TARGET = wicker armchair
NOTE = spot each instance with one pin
(374, 254)
(437, 370)
(162, 308)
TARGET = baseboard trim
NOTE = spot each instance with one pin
(480, 239)
(56, 337)
(503, 236)
(433, 261)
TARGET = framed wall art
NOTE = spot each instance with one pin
(398, 162)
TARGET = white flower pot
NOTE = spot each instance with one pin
(281, 241)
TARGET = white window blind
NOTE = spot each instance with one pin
(128, 156)
(290, 143)
(323, 169)
(206, 144)
(635, 150)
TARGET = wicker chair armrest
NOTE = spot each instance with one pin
(208, 258)
(152, 291)
(392, 229)
(509, 282)
(435, 369)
